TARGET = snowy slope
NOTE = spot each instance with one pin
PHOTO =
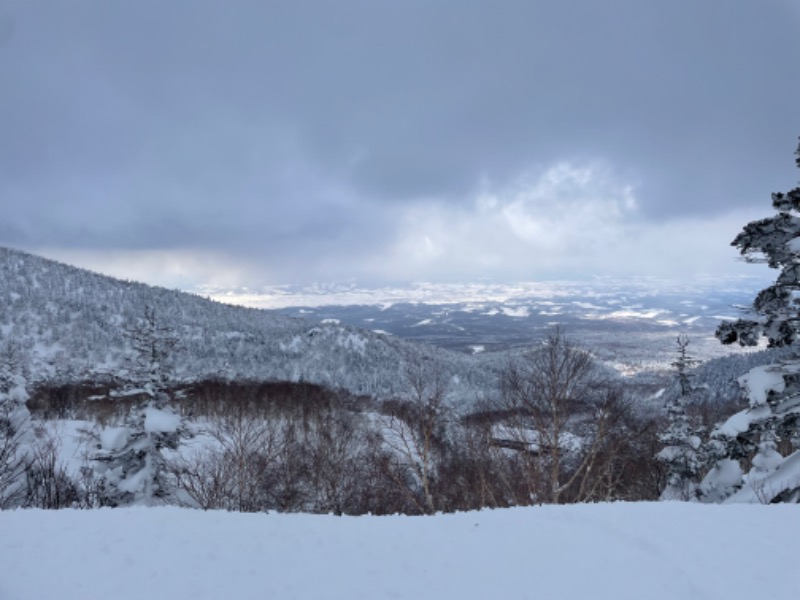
(71, 322)
(621, 551)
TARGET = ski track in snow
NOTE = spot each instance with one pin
(637, 551)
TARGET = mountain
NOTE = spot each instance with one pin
(71, 325)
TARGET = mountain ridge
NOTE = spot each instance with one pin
(71, 322)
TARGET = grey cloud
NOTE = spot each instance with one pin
(291, 126)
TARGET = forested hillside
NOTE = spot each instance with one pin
(71, 325)
(119, 393)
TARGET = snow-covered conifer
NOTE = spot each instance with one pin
(15, 428)
(683, 365)
(681, 443)
(772, 418)
(130, 463)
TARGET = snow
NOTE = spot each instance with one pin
(114, 438)
(516, 311)
(423, 323)
(740, 422)
(622, 551)
(295, 345)
(18, 394)
(566, 441)
(136, 481)
(630, 313)
(352, 341)
(758, 382)
(721, 480)
(794, 245)
(670, 453)
(764, 489)
(160, 421)
(591, 293)
(766, 461)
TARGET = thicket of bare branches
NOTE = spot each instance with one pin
(557, 431)
(13, 462)
(571, 432)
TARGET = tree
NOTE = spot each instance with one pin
(681, 444)
(336, 442)
(130, 463)
(683, 364)
(415, 433)
(560, 412)
(772, 418)
(15, 429)
(233, 472)
(154, 345)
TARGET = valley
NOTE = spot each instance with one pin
(472, 398)
(630, 325)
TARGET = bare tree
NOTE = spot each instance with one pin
(556, 419)
(233, 471)
(49, 483)
(337, 447)
(478, 473)
(415, 430)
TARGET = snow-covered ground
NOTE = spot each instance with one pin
(637, 551)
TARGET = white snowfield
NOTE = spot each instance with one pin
(643, 551)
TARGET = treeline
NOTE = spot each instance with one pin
(305, 448)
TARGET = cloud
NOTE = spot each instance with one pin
(540, 224)
(564, 221)
(390, 140)
(175, 269)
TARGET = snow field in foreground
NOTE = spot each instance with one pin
(638, 551)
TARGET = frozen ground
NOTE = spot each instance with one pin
(637, 551)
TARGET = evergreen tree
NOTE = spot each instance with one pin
(683, 365)
(681, 442)
(15, 429)
(130, 463)
(771, 421)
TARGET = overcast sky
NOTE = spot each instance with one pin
(190, 142)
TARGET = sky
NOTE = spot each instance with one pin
(245, 143)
